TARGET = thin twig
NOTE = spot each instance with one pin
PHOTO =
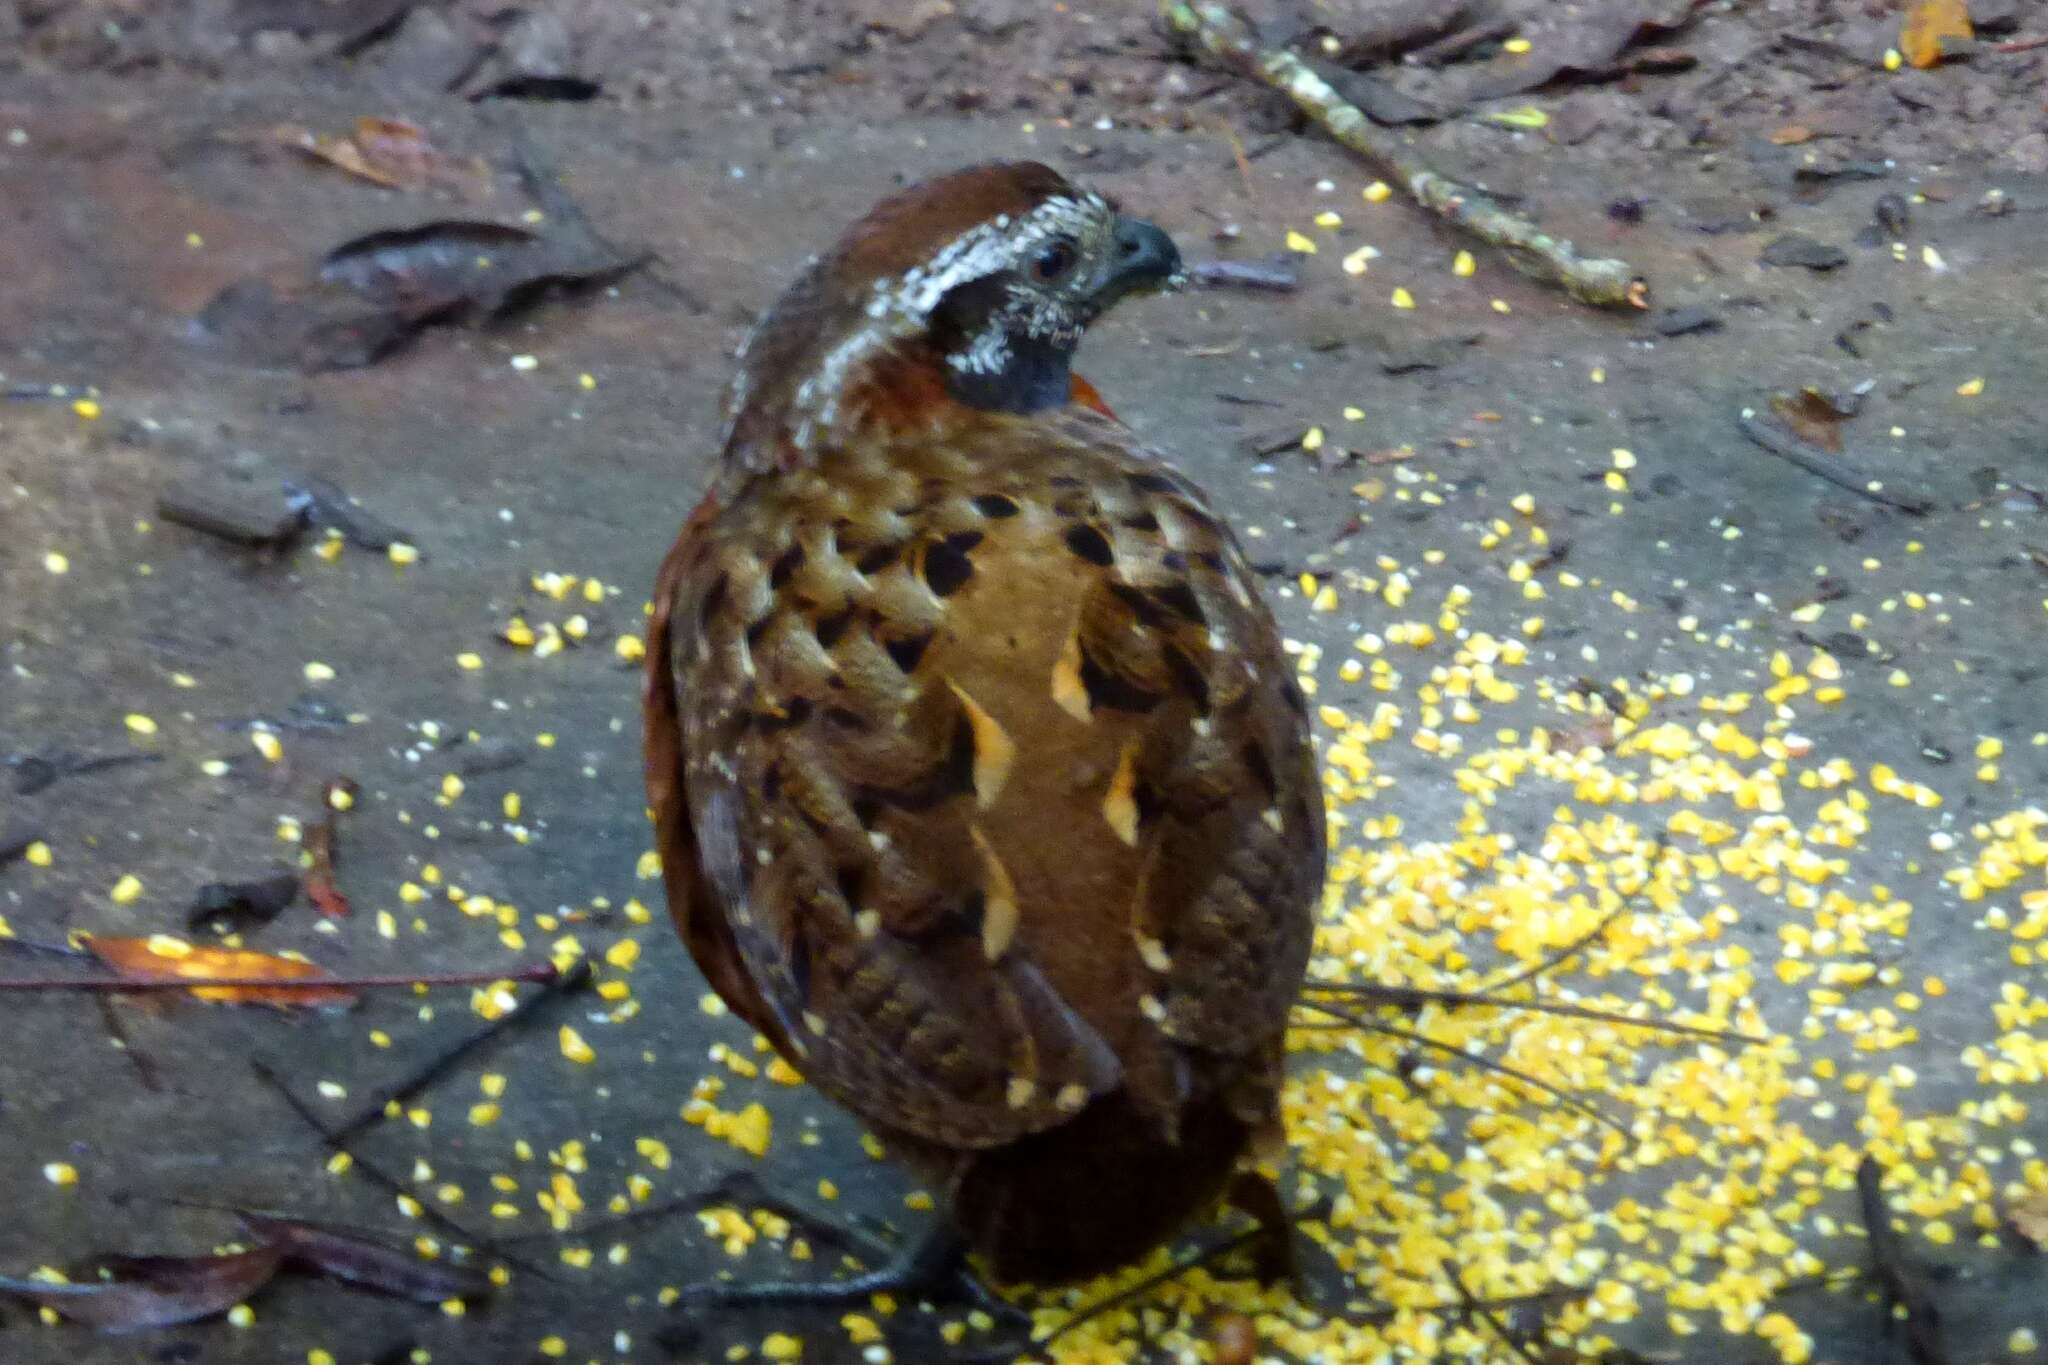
(1560, 955)
(120, 985)
(117, 1035)
(1452, 46)
(1226, 36)
(1772, 436)
(377, 1175)
(1562, 1096)
(1474, 1308)
(1110, 1303)
(1413, 995)
(1278, 276)
(439, 1065)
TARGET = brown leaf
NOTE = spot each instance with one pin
(1812, 417)
(374, 293)
(1791, 135)
(155, 1291)
(161, 958)
(388, 152)
(373, 1265)
(1927, 23)
(1584, 41)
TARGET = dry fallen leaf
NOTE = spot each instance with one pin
(370, 1264)
(388, 152)
(1812, 417)
(142, 1292)
(1791, 135)
(374, 293)
(1927, 23)
(168, 959)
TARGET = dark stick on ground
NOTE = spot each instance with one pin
(378, 1176)
(1774, 437)
(1559, 956)
(1408, 997)
(122, 985)
(1893, 1268)
(441, 1063)
(117, 1035)
(1277, 276)
(1221, 31)
(1475, 1309)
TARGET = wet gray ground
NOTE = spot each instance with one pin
(122, 213)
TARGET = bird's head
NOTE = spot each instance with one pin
(986, 277)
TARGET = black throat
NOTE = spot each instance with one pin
(1034, 375)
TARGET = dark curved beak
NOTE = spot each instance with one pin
(1146, 261)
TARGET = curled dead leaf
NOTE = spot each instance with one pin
(162, 958)
(388, 152)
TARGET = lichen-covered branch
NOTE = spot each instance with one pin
(1226, 36)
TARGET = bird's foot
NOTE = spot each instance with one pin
(932, 1270)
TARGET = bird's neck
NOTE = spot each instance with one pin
(1002, 373)
(900, 389)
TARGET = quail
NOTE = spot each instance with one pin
(981, 783)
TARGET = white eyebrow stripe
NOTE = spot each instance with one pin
(900, 306)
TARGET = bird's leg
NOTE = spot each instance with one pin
(932, 1267)
(1280, 1250)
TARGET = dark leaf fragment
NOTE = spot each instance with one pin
(1588, 43)
(234, 907)
(371, 1264)
(141, 1292)
(1796, 248)
(570, 89)
(238, 516)
(351, 23)
(1432, 354)
(328, 506)
(1815, 417)
(374, 293)
(1676, 322)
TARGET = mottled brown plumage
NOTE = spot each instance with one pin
(981, 784)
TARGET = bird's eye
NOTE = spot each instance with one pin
(1054, 259)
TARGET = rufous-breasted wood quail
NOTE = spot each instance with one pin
(982, 786)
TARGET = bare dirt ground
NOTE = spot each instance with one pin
(1572, 632)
